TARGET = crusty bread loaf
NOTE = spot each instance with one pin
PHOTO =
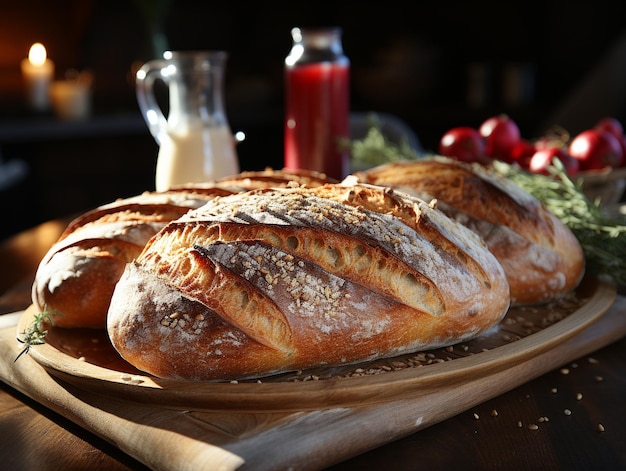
(76, 278)
(542, 258)
(270, 178)
(274, 280)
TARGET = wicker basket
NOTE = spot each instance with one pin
(605, 185)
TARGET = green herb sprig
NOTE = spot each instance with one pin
(35, 333)
(376, 149)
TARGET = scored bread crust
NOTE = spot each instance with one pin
(542, 258)
(76, 278)
(274, 280)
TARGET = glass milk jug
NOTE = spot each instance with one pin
(195, 141)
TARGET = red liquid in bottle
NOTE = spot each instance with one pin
(317, 117)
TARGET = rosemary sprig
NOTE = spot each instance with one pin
(35, 333)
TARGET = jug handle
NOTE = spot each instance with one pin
(150, 109)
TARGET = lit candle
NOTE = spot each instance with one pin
(38, 71)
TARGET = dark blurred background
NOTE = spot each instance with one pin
(435, 64)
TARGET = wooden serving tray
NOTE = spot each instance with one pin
(305, 420)
(85, 359)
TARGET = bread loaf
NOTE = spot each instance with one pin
(76, 278)
(268, 178)
(274, 280)
(541, 257)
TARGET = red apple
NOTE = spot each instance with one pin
(596, 149)
(501, 134)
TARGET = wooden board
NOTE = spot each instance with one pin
(522, 334)
(334, 417)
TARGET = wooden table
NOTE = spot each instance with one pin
(573, 417)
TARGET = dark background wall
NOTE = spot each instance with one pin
(415, 64)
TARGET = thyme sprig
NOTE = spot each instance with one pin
(35, 333)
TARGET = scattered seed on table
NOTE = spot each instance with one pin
(600, 428)
(579, 396)
(567, 412)
(564, 371)
(533, 427)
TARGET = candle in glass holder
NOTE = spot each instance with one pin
(38, 72)
(71, 98)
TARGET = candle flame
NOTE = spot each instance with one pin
(37, 54)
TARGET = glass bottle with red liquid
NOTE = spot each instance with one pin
(317, 102)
